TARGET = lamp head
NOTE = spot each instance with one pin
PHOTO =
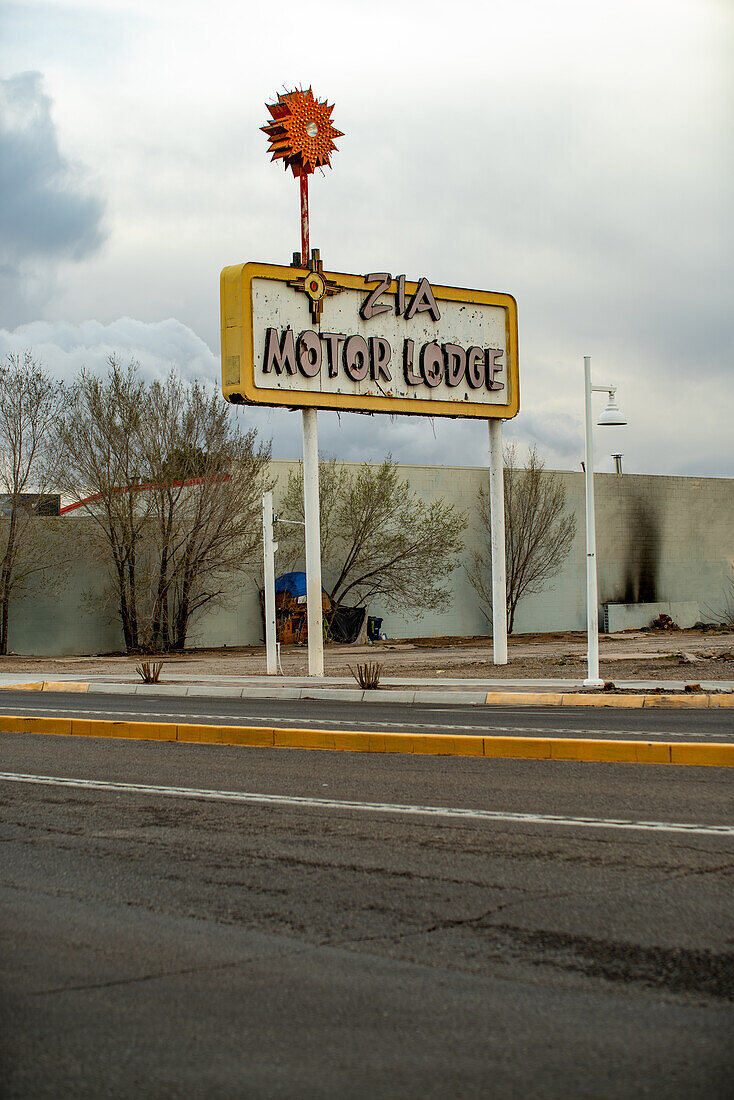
(612, 414)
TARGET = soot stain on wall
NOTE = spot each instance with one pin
(638, 529)
(640, 583)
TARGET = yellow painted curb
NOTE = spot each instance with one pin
(618, 752)
(523, 698)
(523, 748)
(678, 701)
(706, 755)
(722, 700)
(579, 699)
(605, 699)
(48, 685)
(64, 685)
(14, 723)
(76, 685)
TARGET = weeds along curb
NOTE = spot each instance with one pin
(523, 748)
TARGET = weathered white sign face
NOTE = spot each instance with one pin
(335, 341)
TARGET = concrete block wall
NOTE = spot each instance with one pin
(659, 539)
(665, 539)
(67, 616)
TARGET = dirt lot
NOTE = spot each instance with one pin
(689, 655)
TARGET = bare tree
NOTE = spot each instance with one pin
(174, 488)
(104, 471)
(538, 533)
(30, 404)
(379, 540)
(207, 480)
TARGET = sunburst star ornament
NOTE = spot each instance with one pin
(302, 136)
(301, 132)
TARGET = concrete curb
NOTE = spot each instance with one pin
(606, 699)
(699, 701)
(524, 748)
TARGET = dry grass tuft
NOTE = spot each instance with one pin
(367, 675)
(149, 671)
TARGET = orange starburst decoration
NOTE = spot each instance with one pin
(301, 133)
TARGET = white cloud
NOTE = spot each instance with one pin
(65, 348)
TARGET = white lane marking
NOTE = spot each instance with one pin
(193, 718)
(371, 807)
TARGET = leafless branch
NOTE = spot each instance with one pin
(379, 540)
(30, 404)
(539, 533)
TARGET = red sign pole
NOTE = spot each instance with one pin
(304, 220)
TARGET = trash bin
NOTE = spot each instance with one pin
(373, 628)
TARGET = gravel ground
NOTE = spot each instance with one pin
(689, 655)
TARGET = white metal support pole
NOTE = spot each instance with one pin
(269, 548)
(592, 612)
(311, 515)
(497, 523)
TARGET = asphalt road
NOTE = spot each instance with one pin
(653, 724)
(249, 934)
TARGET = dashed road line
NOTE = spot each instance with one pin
(368, 724)
(441, 812)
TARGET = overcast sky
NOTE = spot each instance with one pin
(575, 154)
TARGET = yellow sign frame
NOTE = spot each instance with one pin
(238, 379)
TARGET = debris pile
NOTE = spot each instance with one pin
(663, 622)
(687, 658)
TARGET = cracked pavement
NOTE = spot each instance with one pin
(184, 948)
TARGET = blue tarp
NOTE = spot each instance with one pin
(292, 583)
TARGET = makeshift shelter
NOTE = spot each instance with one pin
(341, 624)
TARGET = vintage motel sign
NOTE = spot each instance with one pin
(306, 338)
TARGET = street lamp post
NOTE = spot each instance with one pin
(611, 415)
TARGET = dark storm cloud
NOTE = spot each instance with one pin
(45, 209)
